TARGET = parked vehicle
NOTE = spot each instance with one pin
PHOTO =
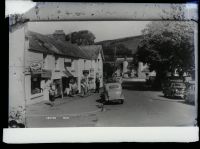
(112, 92)
(174, 89)
(119, 80)
(190, 94)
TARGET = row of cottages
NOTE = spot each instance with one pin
(35, 60)
(49, 59)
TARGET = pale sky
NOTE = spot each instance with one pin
(103, 30)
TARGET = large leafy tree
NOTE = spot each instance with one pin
(83, 37)
(168, 45)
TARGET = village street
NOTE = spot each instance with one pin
(141, 108)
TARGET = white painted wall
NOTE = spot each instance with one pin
(33, 57)
(50, 62)
(76, 67)
(60, 64)
(16, 68)
(88, 64)
(80, 67)
(99, 68)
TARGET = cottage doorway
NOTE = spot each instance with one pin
(58, 85)
(65, 84)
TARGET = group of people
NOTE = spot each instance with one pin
(72, 89)
(85, 88)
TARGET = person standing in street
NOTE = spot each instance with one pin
(97, 82)
(52, 94)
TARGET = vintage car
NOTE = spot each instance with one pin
(174, 89)
(112, 93)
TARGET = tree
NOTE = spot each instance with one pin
(122, 50)
(109, 69)
(167, 45)
(83, 37)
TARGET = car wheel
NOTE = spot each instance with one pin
(106, 98)
(166, 95)
(121, 101)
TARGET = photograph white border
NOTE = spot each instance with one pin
(104, 12)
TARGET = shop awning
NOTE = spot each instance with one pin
(67, 73)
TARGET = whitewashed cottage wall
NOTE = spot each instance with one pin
(17, 45)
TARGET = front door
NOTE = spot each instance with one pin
(65, 83)
(58, 87)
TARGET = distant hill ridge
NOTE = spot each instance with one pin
(131, 42)
(120, 39)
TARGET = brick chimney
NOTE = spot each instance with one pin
(59, 34)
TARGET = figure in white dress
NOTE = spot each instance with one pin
(125, 69)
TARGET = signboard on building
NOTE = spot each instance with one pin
(46, 73)
(36, 68)
(27, 71)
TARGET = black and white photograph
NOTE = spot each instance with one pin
(101, 73)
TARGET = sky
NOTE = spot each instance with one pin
(103, 30)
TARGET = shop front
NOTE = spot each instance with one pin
(58, 87)
(61, 80)
(66, 80)
(36, 82)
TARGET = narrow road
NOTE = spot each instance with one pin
(141, 108)
(147, 108)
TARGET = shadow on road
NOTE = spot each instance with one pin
(187, 103)
(172, 98)
(106, 103)
(168, 99)
(47, 103)
(178, 99)
(139, 86)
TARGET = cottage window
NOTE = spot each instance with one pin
(36, 84)
(67, 64)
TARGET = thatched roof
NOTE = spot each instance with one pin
(46, 44)
(92, 51)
